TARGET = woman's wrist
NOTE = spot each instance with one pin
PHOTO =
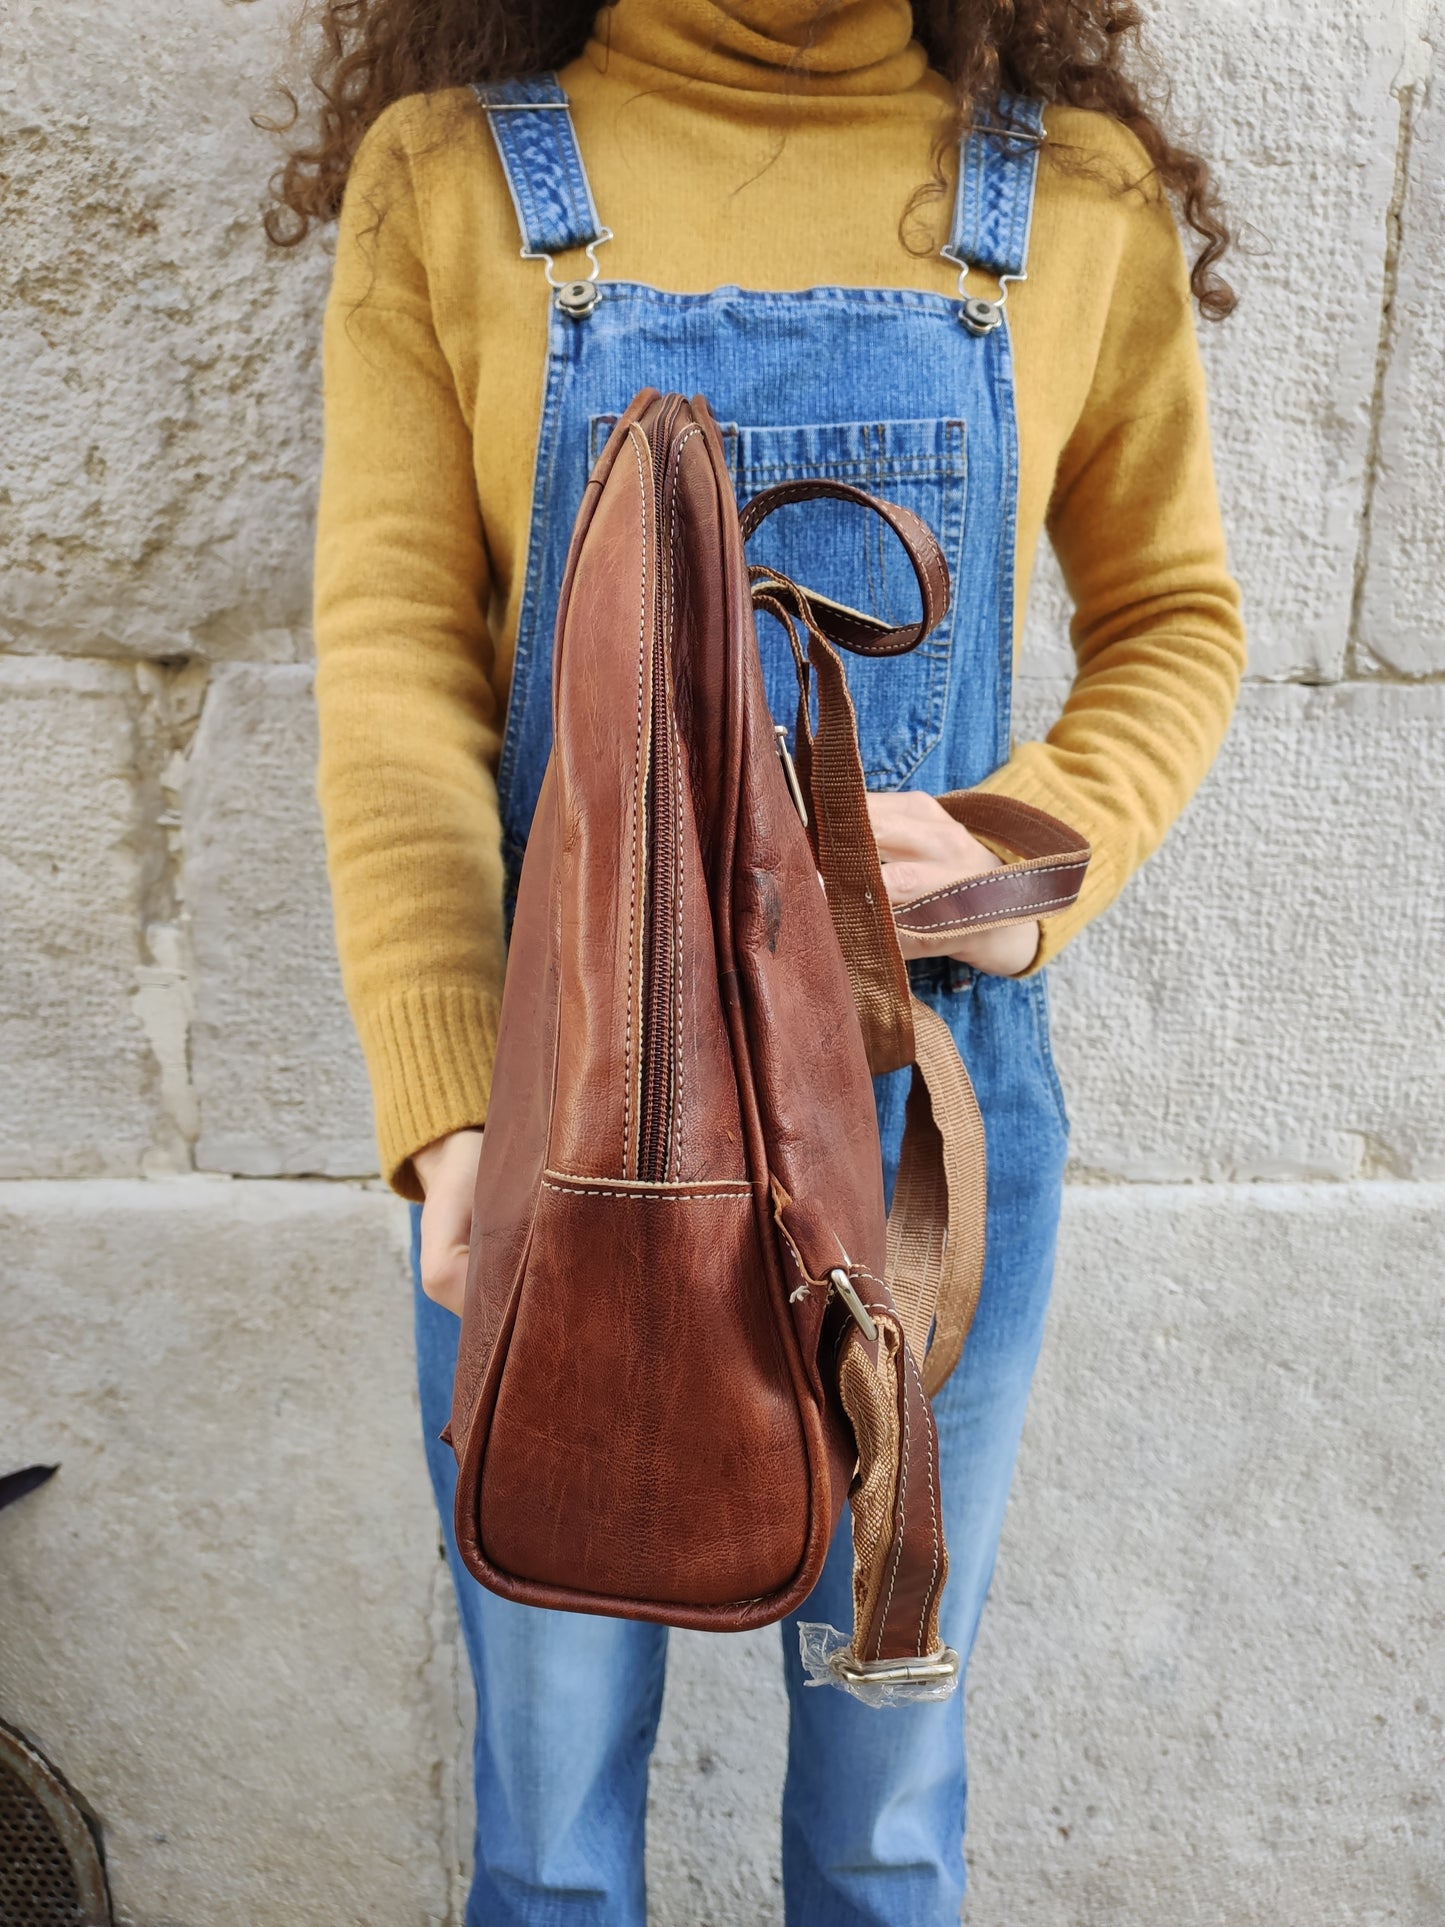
(435, 1159)
(1007, 951)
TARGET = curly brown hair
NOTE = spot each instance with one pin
(1079, 53)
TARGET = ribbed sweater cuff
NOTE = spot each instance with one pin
(430, 1051)
(1102, 881)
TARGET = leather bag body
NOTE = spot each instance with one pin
(681, 1349)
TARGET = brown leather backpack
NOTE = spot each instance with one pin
(690, 1330)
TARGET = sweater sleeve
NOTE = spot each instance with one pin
(409, 720)
(1157, 637)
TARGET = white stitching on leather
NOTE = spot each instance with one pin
(678, 1057)
(932, 1498)
(993, 876)
(640, 1184)
(645, 1197)
(861, 1271)
(985, 919)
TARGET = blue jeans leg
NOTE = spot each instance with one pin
(567, 1711)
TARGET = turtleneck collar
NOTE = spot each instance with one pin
(767, 46)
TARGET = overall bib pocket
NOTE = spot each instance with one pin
(841, 552)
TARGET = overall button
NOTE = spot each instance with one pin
(578, 298)
(979, 316)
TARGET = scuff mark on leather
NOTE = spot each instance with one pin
(770, 905)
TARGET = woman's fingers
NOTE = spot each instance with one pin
(911, 826)
(448, 1174)
(923, 849)
(905, 880)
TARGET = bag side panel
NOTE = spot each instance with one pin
(626, 1452)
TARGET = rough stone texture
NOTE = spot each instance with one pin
(1207, 1685)
(1263, 1000)
(1400, 627)
(279, 1078)
(1307, 146)
(76, 1086)
(1307, 154)
(216, 1617)
(159, 367)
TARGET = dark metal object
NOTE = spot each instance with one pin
(15, 1485)
(52, 1873)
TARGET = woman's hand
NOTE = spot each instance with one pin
(448, 1174)
(923, 849)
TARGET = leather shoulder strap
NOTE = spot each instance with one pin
(1045, 878)
(851, 629)
(921, 1310)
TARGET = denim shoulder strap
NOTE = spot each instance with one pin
(993, 209)
(531, 123)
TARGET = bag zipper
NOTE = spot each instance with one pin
(659, 972)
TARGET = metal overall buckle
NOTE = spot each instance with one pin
(575, 299)
(977, 313)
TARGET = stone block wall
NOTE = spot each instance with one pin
(1209, 1683)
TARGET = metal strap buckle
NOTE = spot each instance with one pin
(1005, 131)
(858, 1311)
(944, 1664)
(795, 789)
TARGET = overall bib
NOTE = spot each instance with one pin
(910, 396)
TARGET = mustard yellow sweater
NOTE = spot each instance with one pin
(751, 146)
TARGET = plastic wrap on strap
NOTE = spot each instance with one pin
(828, 1660)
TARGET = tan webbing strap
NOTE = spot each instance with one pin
(936, 1227)
(900, 1559)
(853, 872)
(925, 1304)
(940, 1199)
(844, 843)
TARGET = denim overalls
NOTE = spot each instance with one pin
(911, 397)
